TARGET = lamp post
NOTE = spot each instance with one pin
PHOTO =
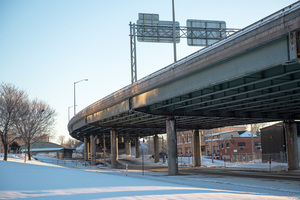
(75, 94)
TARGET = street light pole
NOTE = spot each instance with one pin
(75, 94)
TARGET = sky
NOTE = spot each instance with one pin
(46, 46)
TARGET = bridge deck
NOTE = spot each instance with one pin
(251, 77)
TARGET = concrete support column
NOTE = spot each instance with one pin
(196, 148)
(156, 149)
(85, 149)
(137, 147)
(113, 149)
(93, 149)
(172, 146)
(117, 147)
(291, 144)
(88, 148)
(127, 145)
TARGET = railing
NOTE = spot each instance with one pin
(258, 157)
(63, 162)
(245, 157)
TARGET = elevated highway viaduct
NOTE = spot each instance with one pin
(250, 77)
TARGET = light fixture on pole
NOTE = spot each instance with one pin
(75, 94)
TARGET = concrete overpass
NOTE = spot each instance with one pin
(252, 76)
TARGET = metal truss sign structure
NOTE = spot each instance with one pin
(198, 33)
(150, 29)
(205, 32)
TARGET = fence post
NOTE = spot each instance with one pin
(270, 161)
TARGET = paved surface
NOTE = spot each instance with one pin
(136, 166)
(276, 183)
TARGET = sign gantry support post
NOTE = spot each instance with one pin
(174, 33)
(133, 53)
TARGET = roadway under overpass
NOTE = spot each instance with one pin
(252, 76)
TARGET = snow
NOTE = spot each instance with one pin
(247, 134)
(45, 149)
(80, 148)
(37, 180)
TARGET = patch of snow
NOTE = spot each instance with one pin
(36, 180)
(247, 134)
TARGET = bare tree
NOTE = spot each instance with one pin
(61, 139)
(11, 98)
(36, 118)
(254, 128)
(72, 143)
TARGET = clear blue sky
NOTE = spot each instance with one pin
(47, 45)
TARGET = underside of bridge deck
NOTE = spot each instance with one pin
(269, 95)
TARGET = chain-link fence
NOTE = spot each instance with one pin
(259, 157)
(274, 157)
(63, 162)
(245, 157)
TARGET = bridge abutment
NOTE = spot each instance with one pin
(172, 146)
(291, 144)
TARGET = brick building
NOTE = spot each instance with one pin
(184, 140)
(238, 145)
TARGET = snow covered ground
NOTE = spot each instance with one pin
(37, 180)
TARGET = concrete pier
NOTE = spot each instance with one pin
(156, 149)
(137, 147)
(291, 144)
(86, 149)
(196, 148)
(113, 149)
(172, 146)
(93, 149)
(127, 145)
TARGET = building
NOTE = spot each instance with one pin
(230, 147)
(49, 148)
(226, 145)
(184, 143)
(273, 140)
(184, 140)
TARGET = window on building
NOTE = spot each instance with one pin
(258, 145)
(227, 145)
(222, 146)
(241, 145)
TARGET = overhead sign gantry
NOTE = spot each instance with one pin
(149, 28)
